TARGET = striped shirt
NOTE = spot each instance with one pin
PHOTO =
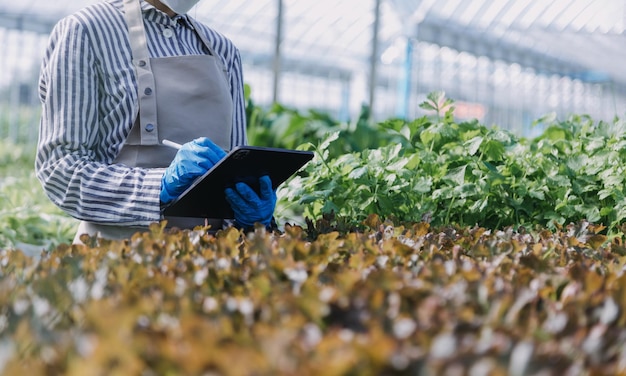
(88, 91)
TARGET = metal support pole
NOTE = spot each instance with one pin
(374, 57)
(15, 88)
(344, 110)
(277, 51)
(404, 84)
(4, 78)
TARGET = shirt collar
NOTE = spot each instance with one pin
(153, 14)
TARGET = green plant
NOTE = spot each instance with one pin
(29, 220)
(465, 173)
(18, 123)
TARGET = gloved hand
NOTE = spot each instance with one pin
(193, 159)
(249, 207)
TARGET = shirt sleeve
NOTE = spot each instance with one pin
(239, 136)
(74, 161)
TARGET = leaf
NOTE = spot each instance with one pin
(428, 136)
(596, 241)
(493, 150)
(590, 213)
(456, 175)
(473, 145)
(330, 137)
(358, 172)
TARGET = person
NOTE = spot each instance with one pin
(117, 78)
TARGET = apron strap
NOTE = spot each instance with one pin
(206, 42)
(149, 132)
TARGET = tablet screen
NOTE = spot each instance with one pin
(205, 197)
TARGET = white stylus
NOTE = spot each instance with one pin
(171, 144)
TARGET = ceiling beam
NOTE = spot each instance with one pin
(446, 34)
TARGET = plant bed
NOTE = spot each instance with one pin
(386, 300)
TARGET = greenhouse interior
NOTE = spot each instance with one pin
(504, 62)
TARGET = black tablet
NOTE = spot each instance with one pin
(205, 197)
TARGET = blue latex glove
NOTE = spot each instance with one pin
(249, 207)
(192, 160)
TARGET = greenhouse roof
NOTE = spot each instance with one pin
(580, 38)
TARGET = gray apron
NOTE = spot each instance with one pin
(180, 98)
